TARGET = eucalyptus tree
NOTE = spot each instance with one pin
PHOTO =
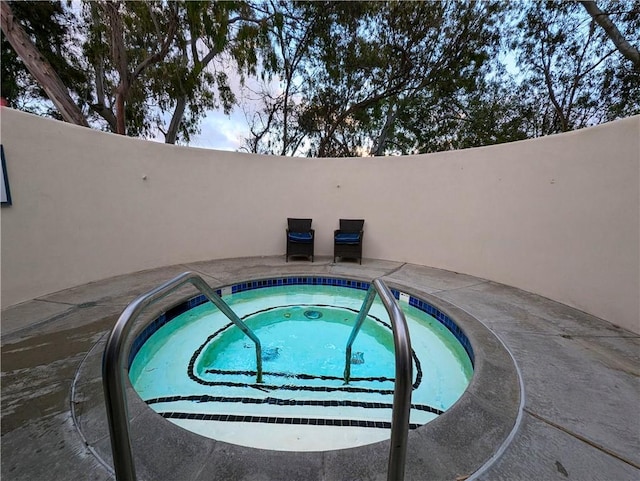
(179, 55)
(130, 67)
(297, 67)
(574, 76)
(354, 72)
(452, 48)
(217, 39)
(490, 113)
(39, 68)
(631, 13)
(127, 38)
(338, 78)
(275, 125)
(357, 66)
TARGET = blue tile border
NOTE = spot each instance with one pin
(447, 322)
(198, 300)
(300, 280)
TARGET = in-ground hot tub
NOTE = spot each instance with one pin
(464, 440)
(197, 369)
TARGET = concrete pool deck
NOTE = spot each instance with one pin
(580, 416)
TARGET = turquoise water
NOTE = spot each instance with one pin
(202, 365)
(293, 344)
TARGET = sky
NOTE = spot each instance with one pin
(218, 130)
(222, 132)
(227, 132)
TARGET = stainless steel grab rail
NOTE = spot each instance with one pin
(403, 377)
(114, 357)
(362, 315)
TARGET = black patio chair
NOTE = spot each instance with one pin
(347, 241)
(300, 238)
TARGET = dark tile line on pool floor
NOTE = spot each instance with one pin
(281, 420)
(205, 398)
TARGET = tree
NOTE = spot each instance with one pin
(622, 44)
(452, 51)
(362, 66)
(275, 128)
(140, 61)
(131, 50)
(568, 59)
(41, 45)
(491, 113)
(170, 49)
(337, 78)
(233, 31)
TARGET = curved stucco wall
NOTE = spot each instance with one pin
(558, 216)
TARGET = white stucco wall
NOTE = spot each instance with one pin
(558, 216)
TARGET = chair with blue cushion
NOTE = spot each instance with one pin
(300, 238)
(347, 241)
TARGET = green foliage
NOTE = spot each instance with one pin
(573, 74)
(335, 78)
(173, 93)
(372, 73)
(51, 28)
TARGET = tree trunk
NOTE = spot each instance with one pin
(119, 57)
(381, 142)
(176, 119)
(121, 121)
(40, 68)
(100, 106)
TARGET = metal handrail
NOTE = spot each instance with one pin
(114, 357)
(362, 315)
(403, 376)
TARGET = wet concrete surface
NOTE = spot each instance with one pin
(580, 416)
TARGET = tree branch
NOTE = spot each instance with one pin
(552, 95)
(621, 43)
(107, 114)
(164, 49)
